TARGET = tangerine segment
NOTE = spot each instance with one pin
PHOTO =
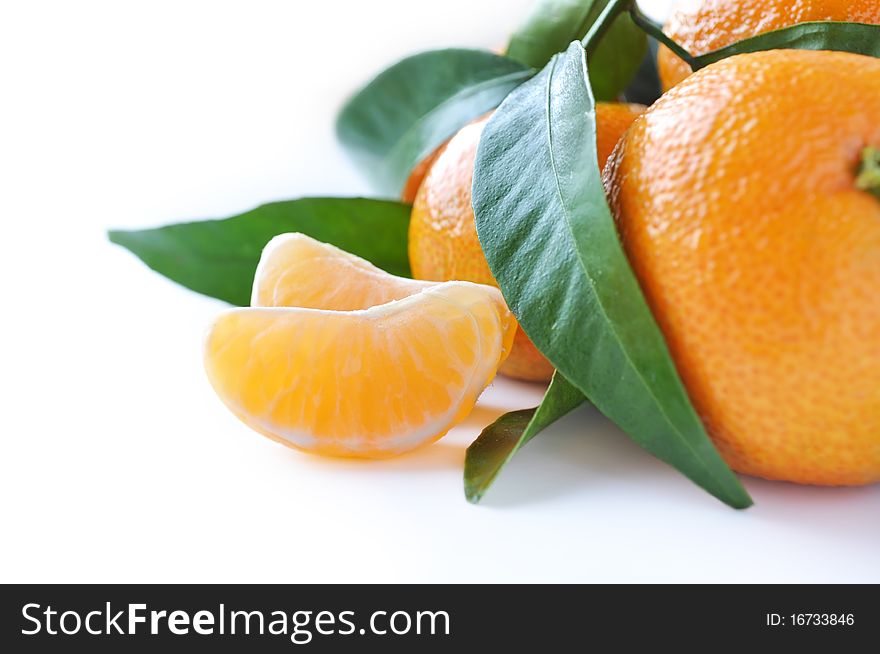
(367, 383)
(295, 270)
(298, 271)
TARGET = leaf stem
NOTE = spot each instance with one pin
(612, 10)
(868, 178)
(655, 30)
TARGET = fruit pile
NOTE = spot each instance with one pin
(692, 246)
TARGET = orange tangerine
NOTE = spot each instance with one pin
(749, 207)
(701, 26)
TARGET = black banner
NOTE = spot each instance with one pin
(96, 618)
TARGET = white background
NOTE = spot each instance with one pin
(118, 462)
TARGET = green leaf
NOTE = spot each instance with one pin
(553, 24)
(410, 109)
(617, 57)
(549, 28)
(550, 240)
(857, 38)
(498, 442)
(219, 257)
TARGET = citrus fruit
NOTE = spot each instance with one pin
(745, 201)
(298, 271)
(336, 373)
(701, 26)
(443, 243)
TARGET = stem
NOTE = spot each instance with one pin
(868, 178)
(612, 10)
(650, 27)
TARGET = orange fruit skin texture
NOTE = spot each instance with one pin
(443, 243)
(417, 176)
(736, 204)
(701, 26)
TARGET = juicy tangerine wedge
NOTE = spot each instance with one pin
(298, 271)
(359, 362)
